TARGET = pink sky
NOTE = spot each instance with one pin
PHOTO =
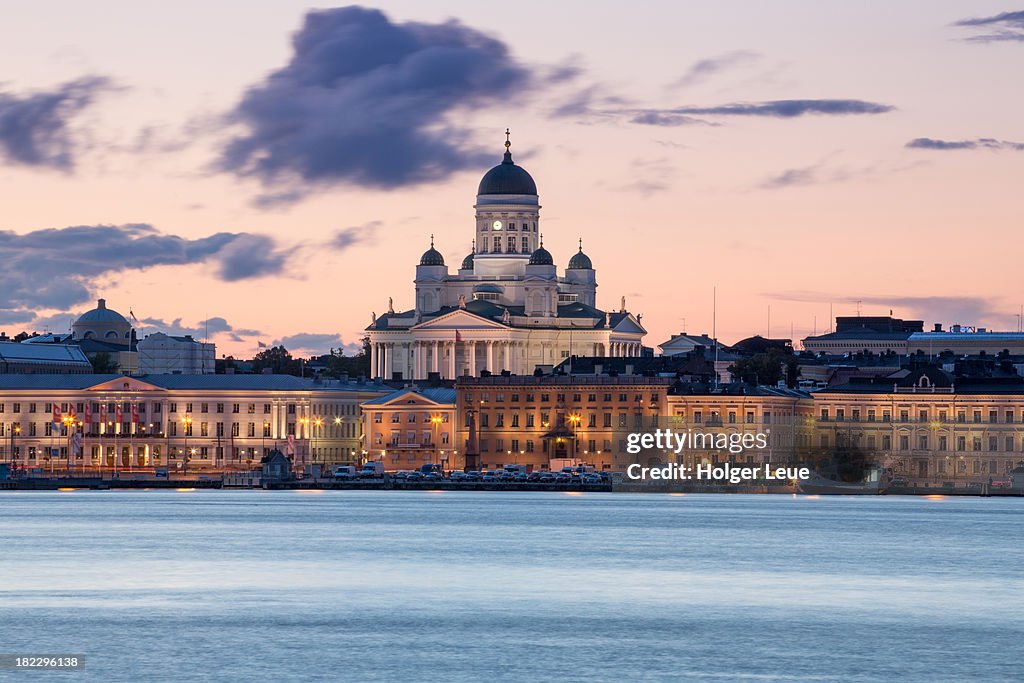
(797, 213)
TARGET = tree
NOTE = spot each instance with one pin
(103, 363)
(767, 368)
(278, 360)
(353, 366)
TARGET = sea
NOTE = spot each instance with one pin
(209, 585)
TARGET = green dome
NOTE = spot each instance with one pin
(541, 257)
(580, 261)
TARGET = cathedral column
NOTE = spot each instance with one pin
(471, 346)
(435, 352)
(488, 347)
(374, 368)
(451, 360)
(508, 353)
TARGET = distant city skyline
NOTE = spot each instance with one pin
(272, 173)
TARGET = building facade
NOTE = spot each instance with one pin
(160, 353)
(410, 428)
(506, 309)
(204, 422)
(927, 425)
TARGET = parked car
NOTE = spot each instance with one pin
(402, 474)
(474, 475)
(457, 475)
(414, 476)
(490, 476)
(431, 476)
(563, 478)
(521, 477)
(592, 478)
(547, 477)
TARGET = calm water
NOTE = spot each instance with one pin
(460, 586)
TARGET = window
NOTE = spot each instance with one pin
(922, 416)
(824, 416)
(871, 416)
(943, 443)
(529, 420)
(251, 431)
(204, 407)
(220, 407)
(904, 442)
(378, 417)
(993, 416)
(922, 442)
(235, 408)
(234, 429)
(607, 420)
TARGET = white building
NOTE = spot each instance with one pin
(506, 308)
(160, 353)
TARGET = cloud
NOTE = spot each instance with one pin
(202, 329)
(371, 102)
(1007, 26)
(705, 68)
(791, 177)
(593, 100)
(964, 309)
(977, 143)
(347, 237)
(54, 268)
(311, 343)
(784, 109)
(35, 127)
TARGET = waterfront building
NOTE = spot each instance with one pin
(205, 422)
(42, 358)
(685, 343)
(783, 416)
(412, 427)
(160, 353)
(506, 309)
(554, 420)
(929, 425)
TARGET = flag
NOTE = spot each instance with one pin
(135, 413)
(132, 314)
(56, 414)
(458, 336)
(88, 412)
(76, 444)
(119, 413)
(103, 413)
(260, 345)
(290, 448)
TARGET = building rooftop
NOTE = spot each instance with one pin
(49, 353)
(186, 382)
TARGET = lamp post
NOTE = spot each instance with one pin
(69, 423)
(305, 422)
(15, 430)
(263, 444)
(186, 423)
(574, 420)
(436, 420)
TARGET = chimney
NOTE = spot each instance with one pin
(101, 303)
(938, 327)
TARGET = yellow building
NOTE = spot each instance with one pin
(410, 428)
(200, 422)
(927, 425)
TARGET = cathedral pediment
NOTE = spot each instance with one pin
(627, 323)
(461, 319)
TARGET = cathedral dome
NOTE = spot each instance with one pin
(580, 261)
(467, 263)
(507, 178)
(431, 257)
(541, 257)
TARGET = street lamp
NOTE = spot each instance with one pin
(574, 420)
(435, 420)
(69, 423)
(263, 445)
(187, 426)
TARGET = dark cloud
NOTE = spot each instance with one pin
(964, 309)
(53, 268)
(792, 177)
(312, 343)
(347, 237)
(202, 329)
(977, 143)
(705, 68)
(35, 127)
(367, 101)
(1007, 26)
(593, 100)
(784, 109)
(662, 118)
(248, 256)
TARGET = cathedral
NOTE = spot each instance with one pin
(506, 309)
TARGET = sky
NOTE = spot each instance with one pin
(271, 172)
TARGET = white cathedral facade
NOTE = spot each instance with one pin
(506, 309)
